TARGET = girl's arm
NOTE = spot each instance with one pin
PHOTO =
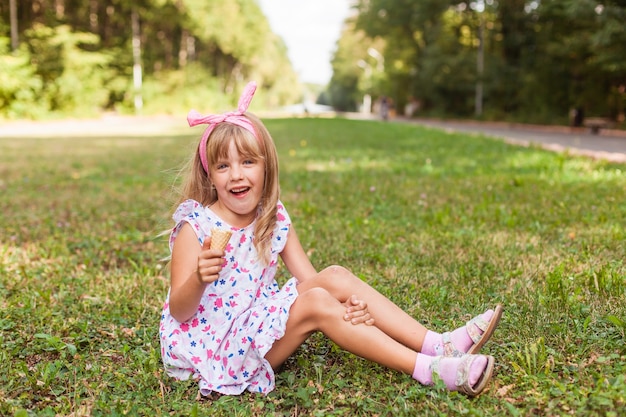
(295, 259)
(192, 268)
(299, 265)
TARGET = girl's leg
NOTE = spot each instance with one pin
(316, 309)
(391, 319)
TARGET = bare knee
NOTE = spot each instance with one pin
(317, 298)
(336, 271)
(339, 281)
(315, 305)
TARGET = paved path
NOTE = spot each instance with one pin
(108, 125)
(608, 144)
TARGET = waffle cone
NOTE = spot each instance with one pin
(219, 238)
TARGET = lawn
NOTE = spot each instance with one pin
(446, 225)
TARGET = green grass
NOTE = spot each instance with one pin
(445, 225)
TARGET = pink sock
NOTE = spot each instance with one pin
(433, 343)
(447, 370)
(422, 372)
(431, 340)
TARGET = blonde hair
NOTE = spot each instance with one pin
(197, 185)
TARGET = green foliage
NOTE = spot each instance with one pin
(20, 86)
(607, 39)
(175, 92)
(55, 71)
(443, 224)
(344, 91)
(540, 59)
(73, 78)
(244, 41)
(77, 58)
(534, 359)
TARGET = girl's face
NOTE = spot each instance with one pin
(239, 183)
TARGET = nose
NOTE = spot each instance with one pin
(236, 173)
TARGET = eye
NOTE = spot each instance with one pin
(221, 166)
(249, 162)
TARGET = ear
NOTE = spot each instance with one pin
(210, 180)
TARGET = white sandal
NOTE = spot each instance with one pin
(461, 382)
(479, 339)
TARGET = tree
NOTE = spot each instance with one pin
(351, 81)
(431, 50)
(539, 58)
(610, 55)
(190, 50)
(13, 13)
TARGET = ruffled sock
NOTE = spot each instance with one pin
(460, 338)
(448, 370)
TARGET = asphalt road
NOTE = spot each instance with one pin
(608, 144)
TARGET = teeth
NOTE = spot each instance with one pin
(239, 190)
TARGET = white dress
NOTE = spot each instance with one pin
(239, 317)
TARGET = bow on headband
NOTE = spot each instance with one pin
(236, 118)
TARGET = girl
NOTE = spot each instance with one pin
(227, 322)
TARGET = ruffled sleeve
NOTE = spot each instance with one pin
(283, 223)
(192, 212)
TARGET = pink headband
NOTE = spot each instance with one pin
(236, 117)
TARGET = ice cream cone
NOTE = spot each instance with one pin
(219, 238)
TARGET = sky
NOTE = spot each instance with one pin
(310, 29)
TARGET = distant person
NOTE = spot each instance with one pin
(579, 116)
(384, 108)
(228, 323)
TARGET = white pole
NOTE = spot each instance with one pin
(367, 104)
(137, 77)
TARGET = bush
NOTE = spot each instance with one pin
(175, 92)
(74, 79)
(20, 86)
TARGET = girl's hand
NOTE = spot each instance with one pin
(210, 262)
(357, 312)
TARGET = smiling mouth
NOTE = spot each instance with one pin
(239, 191)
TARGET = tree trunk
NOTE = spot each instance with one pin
(13, 13)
